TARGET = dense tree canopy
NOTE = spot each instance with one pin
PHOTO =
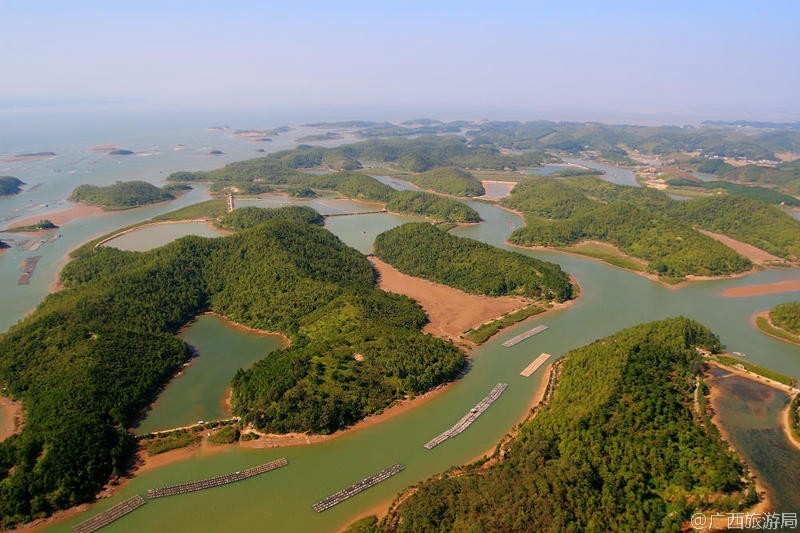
(619, 447)
(121, 195)
(770, 196)
(421, 249)
(432, 206)
(92, 356)
(448, 180)
(249, 217)
(641, 222)
(786, 316)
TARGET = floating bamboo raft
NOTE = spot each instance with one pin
(106, 517)
(361, 486)
(28, 266)
(533, 367)
(521, 337)
(192, 486)
(469, 418)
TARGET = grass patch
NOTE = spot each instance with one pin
(170, 441)
(209, 208)
(446, 226)
(483, 332)
(225, 435)
(607, 253)
(764, 325)
(755, 369)
(794, 417)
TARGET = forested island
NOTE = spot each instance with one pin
(9, 185)
(69, 361)
(44, 224)
(649, 225)
(256, 176)
(782, 321)
(449, 180)
(422, 250)
(125, 194)
(620, 443)
(763, 154)
(770, 196)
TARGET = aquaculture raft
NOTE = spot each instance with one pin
(28, 266)
(183, 488)
(521, 337)
(108, 516)
(533, 367)
(470, 417)
(352, 490)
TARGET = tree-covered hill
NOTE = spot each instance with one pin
(770, 196)
(355, 185)
(92, 356)
(431, 206)
(422, 250)
(647, 224)
(448, 180)
(121, 195)
(619, 447)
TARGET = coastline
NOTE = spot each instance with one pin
(765, 316)
(762, 289)
(142, 463)
(765, 502)
(691, 278)
(271, 440)
(382, 509)
(156, 223)
(59, 218)
(787, 426)
(450, 311)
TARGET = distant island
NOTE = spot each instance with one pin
(782, 322)
(39, 226)
(125, 194)
(120, 151)
(328, 136)
(422, 250)
(28, 156)
(9, 185)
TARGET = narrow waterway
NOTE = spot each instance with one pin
(200, 391)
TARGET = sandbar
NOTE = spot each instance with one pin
(789, 285)
(59, 218)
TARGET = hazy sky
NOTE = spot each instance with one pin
(726, 58)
